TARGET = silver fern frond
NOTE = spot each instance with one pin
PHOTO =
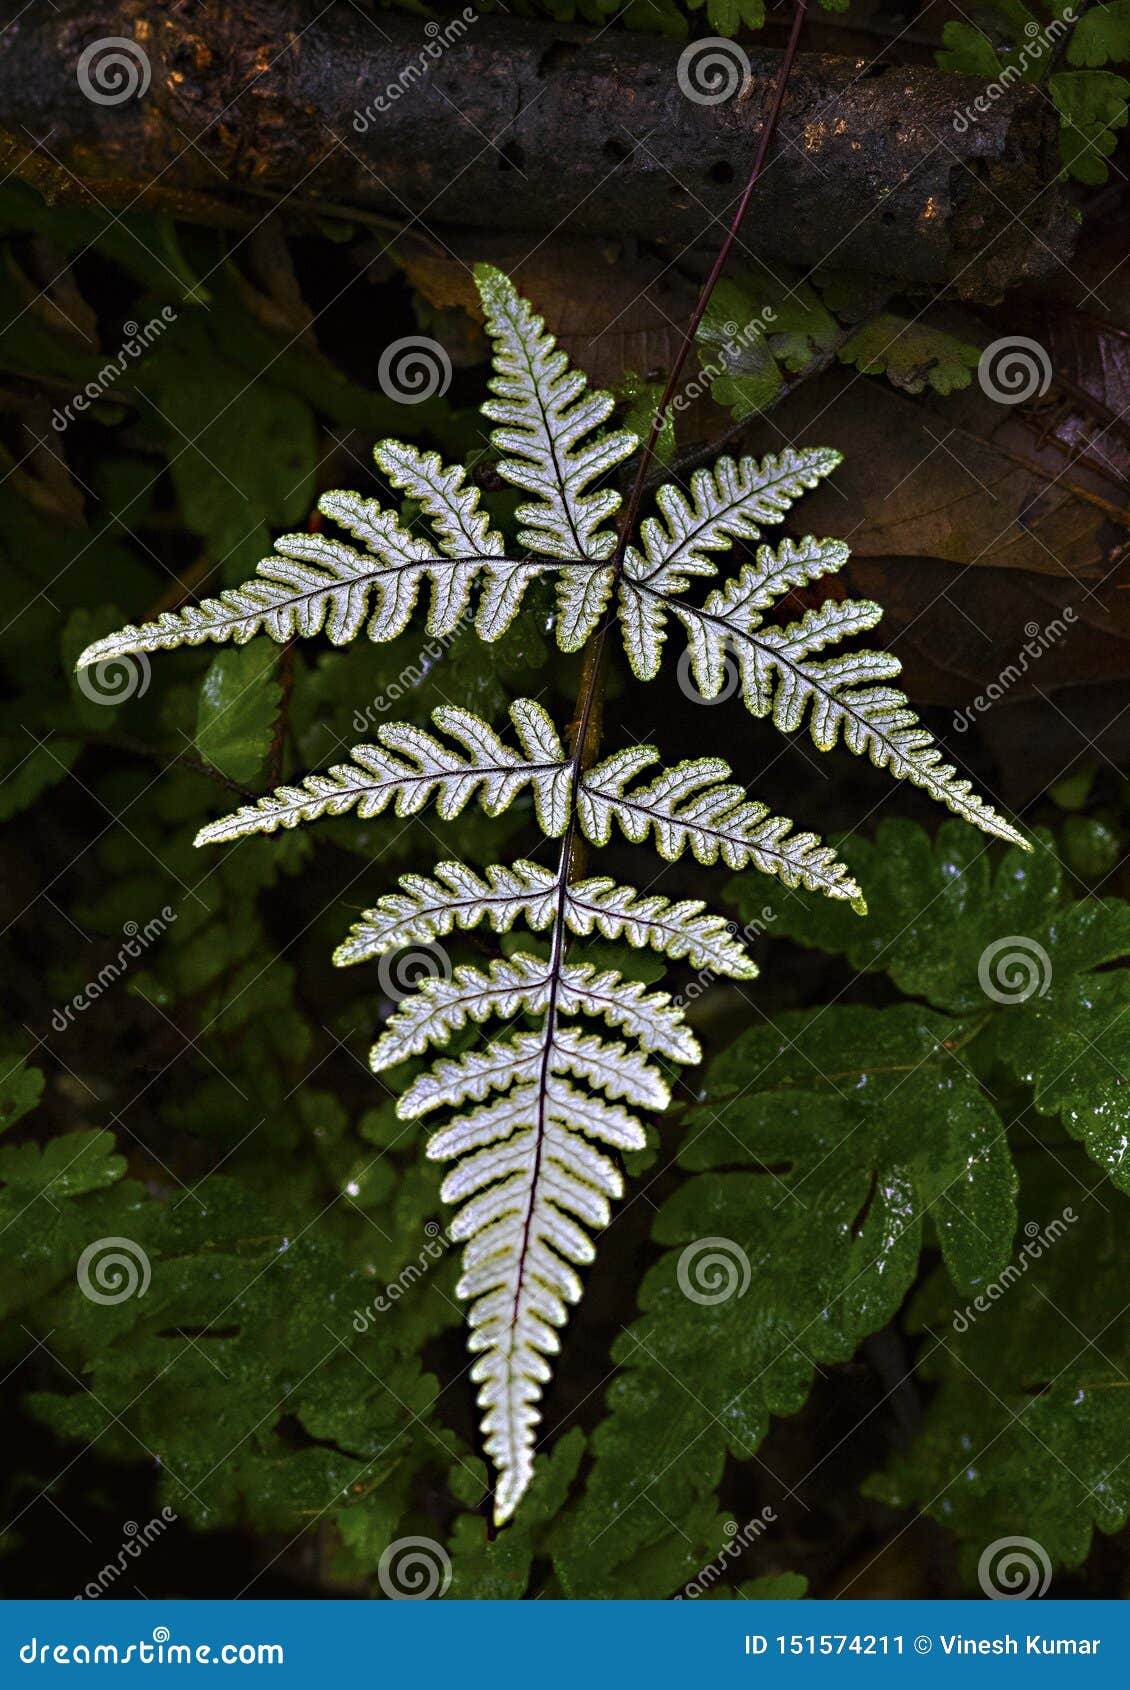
(839, 697)
(530, 1181)
(613, 1068)
(781, 677)
(409, 767)
(527, 1171)
(691, 807)
(537, 1115)
(550, 432)
(520, 983)
(458, 897)
(315, 584)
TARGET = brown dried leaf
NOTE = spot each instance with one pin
(612, 308)
(935, 480)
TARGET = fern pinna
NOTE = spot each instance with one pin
(539, 1111)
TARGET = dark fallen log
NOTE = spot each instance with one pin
(503, 125)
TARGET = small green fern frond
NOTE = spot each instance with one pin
(411, 766)
(689, 806)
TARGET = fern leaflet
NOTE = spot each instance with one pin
(411, 766)
(459, 897)
(690, 807)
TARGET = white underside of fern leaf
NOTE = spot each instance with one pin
(537, 1111)
(532, 1183)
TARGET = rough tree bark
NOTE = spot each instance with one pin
(533, 127)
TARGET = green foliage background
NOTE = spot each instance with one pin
(877, 1134)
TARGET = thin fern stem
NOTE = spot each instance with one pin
(769, 129)
(588, 711)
